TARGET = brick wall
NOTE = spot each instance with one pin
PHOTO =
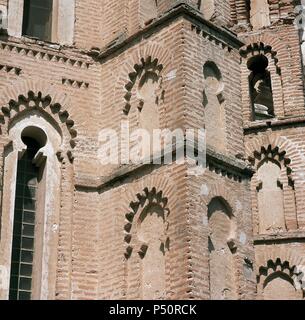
(95, 254)
(200, 48)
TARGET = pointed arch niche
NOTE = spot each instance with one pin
(221, 253)
(273, 192)
(262, 83)
(147, 246)
(144, 95)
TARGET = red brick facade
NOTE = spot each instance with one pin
(212, 244)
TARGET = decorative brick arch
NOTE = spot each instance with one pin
(149, 65)
(149, 211)
(289, 268)
(27, 96)
(152, 54)
(153, 183)
(146, 198)
(275, 51)
(157, 190)
(278, 254)
(218, 190)
(268, 152)
(279, 145)
(264, 44)
(292, 162)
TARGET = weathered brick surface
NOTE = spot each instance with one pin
(99, 247)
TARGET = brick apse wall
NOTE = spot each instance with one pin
(233, 67)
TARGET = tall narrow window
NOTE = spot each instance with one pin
(37, 19)
(147, 246)
(31, 212)
(260, 88)
(22, 260)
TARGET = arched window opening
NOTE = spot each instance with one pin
(221, 263)
(36, 134)
(280, 280)
(3, 17)
(32, 164)
(260, 87)
(25, 259)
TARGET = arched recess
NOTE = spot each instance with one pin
(278, 280)
(152, 58)
(222, 210)
(31, 102)
(146, 74)
(272, 67)
(147, 244)
(32, 116)
(275, 192)
(221, 260)
(144, 90)
(283, 153)
(143, 97)
(214, 107)
(260, 88)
